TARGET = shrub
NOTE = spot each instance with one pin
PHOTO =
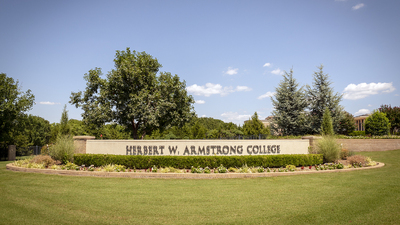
(329, 148)
(244, 169)
(232, 169)
(377, 124)
(197, 170)
(291, 168)
(109, 168)
(369, 162)
(186, 162)
(357, 133)
(344, 154)
(222, 169)
(43, 159)
(261, 169)
(71, 166)
(357, 159)
(63, 150)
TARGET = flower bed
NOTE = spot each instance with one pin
(27, 163)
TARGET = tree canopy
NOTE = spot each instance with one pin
(347, 124)
(289, 105)
(255, 127)
(377, 124)
(133, 95)
(326, 126)
(13, 104)
(393, 114)
(320, 96)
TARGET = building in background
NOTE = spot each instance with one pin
(360, 122)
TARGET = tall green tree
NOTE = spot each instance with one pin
(289, 105)
(132, 95)
(393, 114)
(65, 128)
(255, 127)
(319, 97)
(198, 131)
(377, 124)
(13, 104)
(347, 124)
(38, 130)
(77, 127)
(326, 126)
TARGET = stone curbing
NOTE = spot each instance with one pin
(150, 175)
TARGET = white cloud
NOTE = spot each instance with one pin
(362, 111)
(369, 105)
(359, 91)
(49, 103)
(213, 89)
(203, 116)
(242, 88)
(396, 95)
(232, 71)
(267, 65)
(277, 72)
(234, 117)
(266, 95)
(200, 101)
(358, 6)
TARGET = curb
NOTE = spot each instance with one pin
(148, 175)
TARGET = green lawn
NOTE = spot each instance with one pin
(357, 197)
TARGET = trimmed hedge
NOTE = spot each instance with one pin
(186, 162)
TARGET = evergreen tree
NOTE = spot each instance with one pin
(326, 126)
(255, 126)
(319, 97)
(65, 129)
(289, 104)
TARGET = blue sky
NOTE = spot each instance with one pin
(230, 53)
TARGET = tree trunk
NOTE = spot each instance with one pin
(134, 130)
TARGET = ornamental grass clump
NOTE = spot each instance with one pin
(63, 150)
(244, 169)
(329, 148)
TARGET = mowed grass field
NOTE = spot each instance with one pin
(356, 197)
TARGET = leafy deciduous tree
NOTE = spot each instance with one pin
(346, 124)
(377, 124)
(255, 126)
(134, 96)
(393, 114)
(13, 104)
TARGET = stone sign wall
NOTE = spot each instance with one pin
(197, 147)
